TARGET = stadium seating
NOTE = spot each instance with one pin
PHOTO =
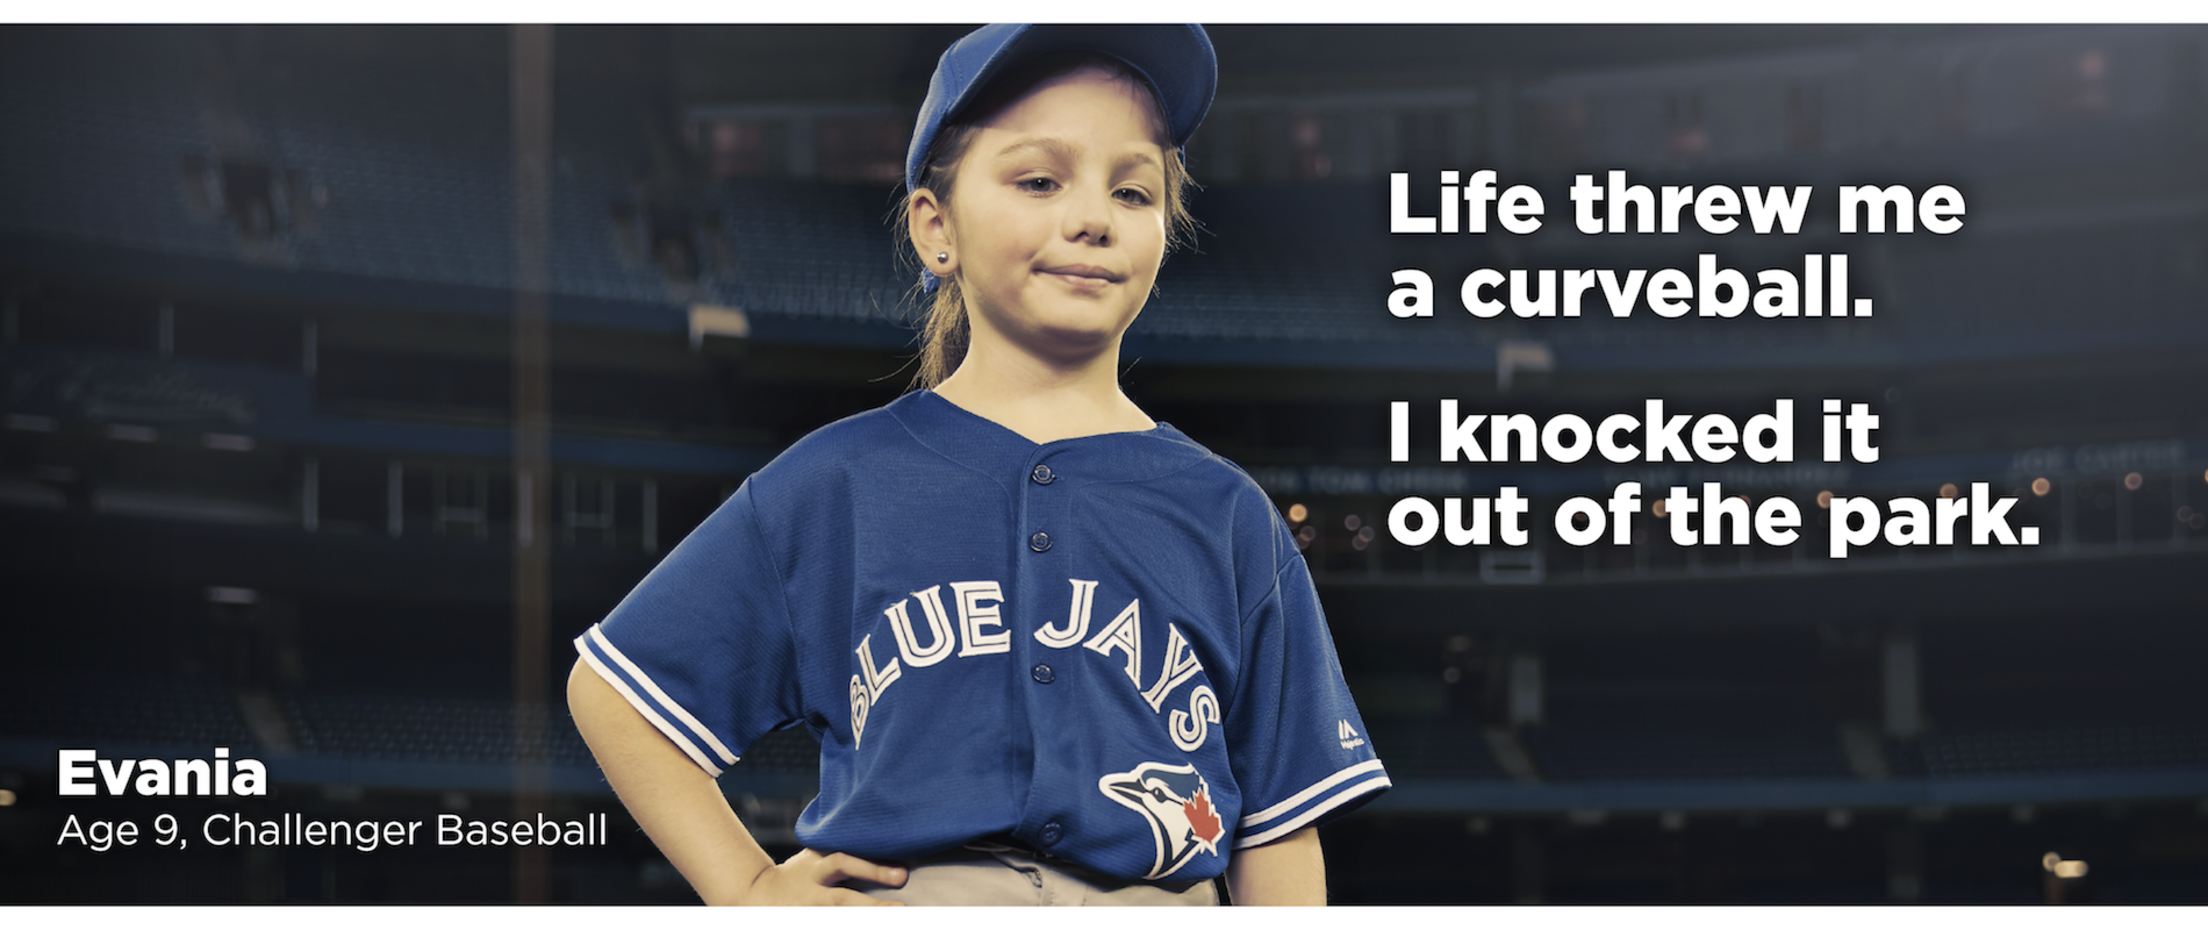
(96, 146)
(1432, 746)
(1685, 738)
(2113, 746)
(116, 709)
(411, 728)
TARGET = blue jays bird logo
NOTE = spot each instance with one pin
(1177, 802)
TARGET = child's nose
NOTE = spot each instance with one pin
(1089, 216)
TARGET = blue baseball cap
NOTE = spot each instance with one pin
(1175, 58)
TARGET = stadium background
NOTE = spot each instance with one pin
(265, 289)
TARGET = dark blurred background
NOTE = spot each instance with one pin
(272, 478)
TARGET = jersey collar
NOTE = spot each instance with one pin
(986, 446)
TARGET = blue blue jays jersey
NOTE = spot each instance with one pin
(1107, 646)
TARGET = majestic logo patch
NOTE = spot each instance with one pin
(1350, 739)
(1177, 802)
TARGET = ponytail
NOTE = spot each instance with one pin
(944, 334)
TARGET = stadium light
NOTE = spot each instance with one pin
(225, 595)
(2063, 868)
(2040, 487)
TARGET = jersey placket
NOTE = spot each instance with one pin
(1043, 551)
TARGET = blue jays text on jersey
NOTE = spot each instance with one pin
(978, 607)
(1106, 647)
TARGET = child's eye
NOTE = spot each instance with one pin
(1040, 184)
(1133, 195)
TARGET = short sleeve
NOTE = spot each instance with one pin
(702, 646)
(1294, 739)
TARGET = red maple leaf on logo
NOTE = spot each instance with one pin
(1201, 820)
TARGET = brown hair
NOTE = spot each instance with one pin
(944, 332)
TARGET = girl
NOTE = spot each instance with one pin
(1054, 651)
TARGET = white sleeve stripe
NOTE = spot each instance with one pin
(1296, 823)
(1307, 794)
(676, 736)
(661, 696)
(655, 708)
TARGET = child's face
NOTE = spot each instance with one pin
(1059, 215)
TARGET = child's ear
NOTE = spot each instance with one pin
(929, 226)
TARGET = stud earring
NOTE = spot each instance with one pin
(941, 257)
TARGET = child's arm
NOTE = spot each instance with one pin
(1289, 870)
(681, 808)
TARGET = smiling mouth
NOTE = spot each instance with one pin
(1085, 275)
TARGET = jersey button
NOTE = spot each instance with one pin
(1039, 542)
(1042, 475)
(1051, 834)
(1044, 674)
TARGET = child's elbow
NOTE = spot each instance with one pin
(585, 690)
